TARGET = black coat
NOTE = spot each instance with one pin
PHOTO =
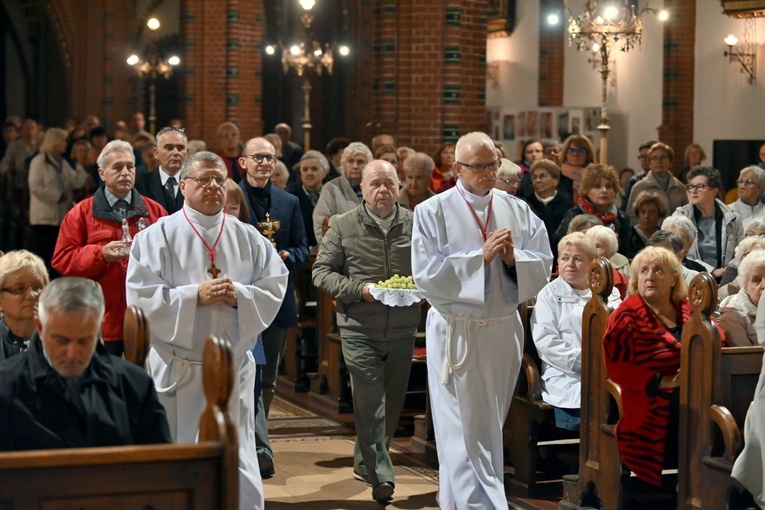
(551, 214)
(150, 185)
(115, 404)
(306, 210)
(622, 227)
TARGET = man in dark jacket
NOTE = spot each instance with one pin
(365, 245)
(66, 391)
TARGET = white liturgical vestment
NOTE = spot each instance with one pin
(474, 333)
(167, 263)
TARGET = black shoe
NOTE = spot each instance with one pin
(383, 492)
(266, 465)
(362, 477)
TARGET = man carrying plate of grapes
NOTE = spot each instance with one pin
(370, 244)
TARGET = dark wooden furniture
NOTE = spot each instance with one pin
(201, 476)
(717, 384)
(137, 336)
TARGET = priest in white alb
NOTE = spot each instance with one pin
(200, 272)
(476, 255)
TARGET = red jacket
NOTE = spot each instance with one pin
(637, 346)
(85, 230)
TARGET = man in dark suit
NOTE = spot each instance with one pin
(258, 160)
(313, 167)
(291, 152)
(162, 184)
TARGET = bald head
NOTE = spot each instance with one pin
(379, 186)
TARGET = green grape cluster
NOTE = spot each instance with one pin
(397, 282)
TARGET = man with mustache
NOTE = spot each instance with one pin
(90, 240)
(163, 185)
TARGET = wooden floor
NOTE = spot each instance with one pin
(313, 449)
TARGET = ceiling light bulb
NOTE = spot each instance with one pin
(731, 40)
(133, 60)
(174, 60)
(610, 13)
(663, 15)
(596, 47)
(270, 49)
(153, 24)
(599, 20)
(344, 50)
(553, 19)
(307, 4)
(295, 50)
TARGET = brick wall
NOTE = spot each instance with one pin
(676, 128)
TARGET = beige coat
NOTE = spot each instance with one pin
(47, 185)
(337, 197)
(675, 196)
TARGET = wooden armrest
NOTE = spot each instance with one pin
(533, 379)
(731, 434)
(615, 391)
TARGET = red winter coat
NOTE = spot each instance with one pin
(637, 346)
(85, 230)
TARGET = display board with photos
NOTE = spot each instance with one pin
(512, 127)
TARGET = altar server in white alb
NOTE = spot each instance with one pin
(200, 272)
(476, 254)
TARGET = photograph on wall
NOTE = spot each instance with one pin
(532, 123)
(563, 130)
(521, 125)
(576, 125)
(546, 125)
(509, 128)
(592, 119)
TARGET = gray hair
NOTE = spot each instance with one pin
(111, 147)
(70, 296)
(201, 157)
(15, 260)
(580, 220)
(420, 161)
(606, 235)
(745, 246)
(508, 168)
(680, 221)
(674, 239)
(751, 262)
(475, 139)
(353, 149)
(759, 174)
(321, 158)
(51, 138)
(170, 130)
(195, 146)
(756, 222)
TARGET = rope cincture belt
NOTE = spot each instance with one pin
(449, 365)
(186, 364)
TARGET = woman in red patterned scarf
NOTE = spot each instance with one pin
(599, 189)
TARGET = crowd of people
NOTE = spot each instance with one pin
(180, 233)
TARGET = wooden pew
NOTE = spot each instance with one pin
(201, 476)
(137, 336)
(717, 384)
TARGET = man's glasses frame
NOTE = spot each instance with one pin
(482, 167)
(258, 158)
(206, 180)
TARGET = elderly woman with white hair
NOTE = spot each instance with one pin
(314, 167)
(556, 327)
(738, 312)
(51, 181)
(606, 244)
(685, 227)
(418, 173)
(508, 177)
(22, 278)
(751, 185)
(730, 285)
(344, 193)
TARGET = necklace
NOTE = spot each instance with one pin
(483, 228)
(214, 271)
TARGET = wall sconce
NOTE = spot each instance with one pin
(746, 56)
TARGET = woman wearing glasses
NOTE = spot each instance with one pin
(751, 184)
(576, 155)
(719, 228)
(660, 180)
(22, 278)
(508, 178)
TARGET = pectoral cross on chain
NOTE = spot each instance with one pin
(214, 271)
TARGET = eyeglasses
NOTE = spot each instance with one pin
(642, 157)
(697, 187)
(746, 182)
(205, 180)
(511, 182)
(23, 289)
(574, 150)
(166, 129)
(659, 158)
(258, 158)
(482, 167)
(539, 177)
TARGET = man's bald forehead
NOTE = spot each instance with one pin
(378, 164)
(259, 143)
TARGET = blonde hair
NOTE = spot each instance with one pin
(581, 241)
(15, 260)
(605, 235)
(235, 194)
(665, 258)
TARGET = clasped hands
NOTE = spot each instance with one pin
(215, 291)
(499, 243)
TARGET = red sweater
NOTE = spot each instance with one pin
(85, 230)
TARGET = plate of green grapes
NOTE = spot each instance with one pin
(396, 291)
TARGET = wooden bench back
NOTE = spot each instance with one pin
(716, 387)
(136, 336)
(201, 476)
